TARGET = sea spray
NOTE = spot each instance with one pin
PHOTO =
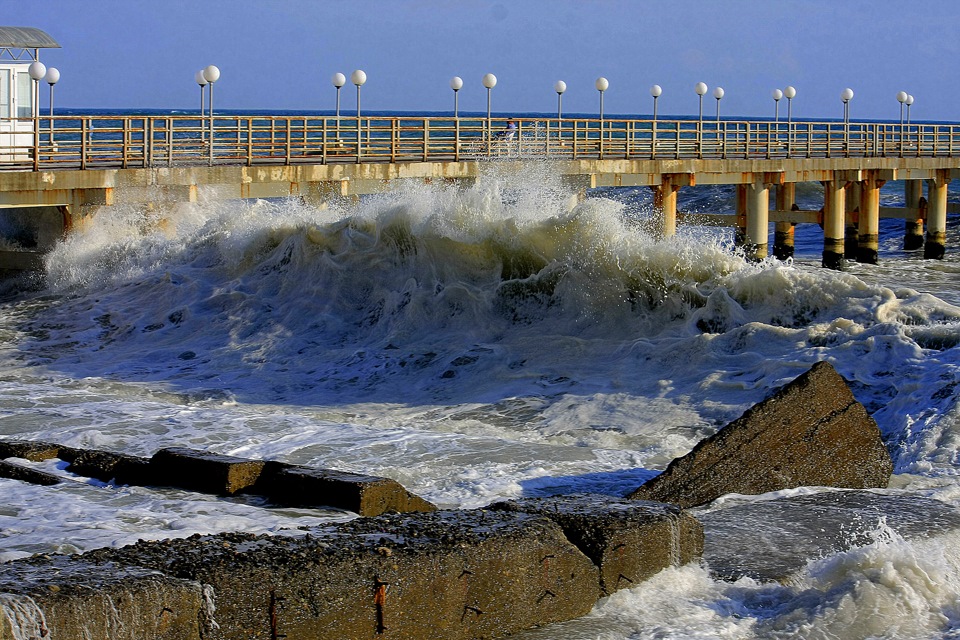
(21, 617)
(888, 588)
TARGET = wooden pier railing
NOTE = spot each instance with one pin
(92, 141)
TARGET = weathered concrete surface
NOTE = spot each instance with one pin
(772, 539)
(444, 574)
(32, 450)
(66, 598)
(15, 471)
(107, 466)
(628, 540)
(307, 487)
(812, 432)
(203, 471)
(190, 469)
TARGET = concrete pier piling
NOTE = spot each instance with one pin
(851, 226)
(868, 237)
(758, 220)
(935, 244)
(833, 224)
(913, 224)
(665, 204)
(786, 195)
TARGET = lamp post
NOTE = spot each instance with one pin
(846, 96)
(789, 93)
(909, 102)
(901, 98)
(718, 94)
(655, 92)
(602, 85)
(701, 90)
(358, 78)
(37, 70)
(456, 83)
(560, 87)
(777, 95)
(338, 80)
(211, 74)
(200, 80)
(52, 77)
(489, 81)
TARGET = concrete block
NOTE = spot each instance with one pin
(628, 540)
(68, 597)
(202, 471)
(445, 574)
(29, 450)
(308, 487)
(812, 432)
(26, 474)
(107, 465)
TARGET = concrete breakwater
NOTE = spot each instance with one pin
(441, 574)
(282, 484)
(483, 573)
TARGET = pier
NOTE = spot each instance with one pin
(73, 165)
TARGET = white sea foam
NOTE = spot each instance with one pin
(890, 588)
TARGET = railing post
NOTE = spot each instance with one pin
(426, 140)
(722, 132)
(147, 141)
(36, 141)
(601, 139)
(653, 140)
(359, 136)
(124, 144)
(287, 161)
(456, 152)
(323, 140)
(83, 143)
(168, 140)
(212, 136)
(250, 139)
(677, 136)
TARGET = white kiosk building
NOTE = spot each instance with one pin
(19, 93)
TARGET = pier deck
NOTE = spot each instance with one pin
(78, 163)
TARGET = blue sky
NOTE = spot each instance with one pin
(280, 54)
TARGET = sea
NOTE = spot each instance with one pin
(480, 343)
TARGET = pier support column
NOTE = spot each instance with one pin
(786, 196)
(740, 234)
(851, 235)
(833, 223)
(758, 221)
(913, 229)
(320, 194)
(665, 205)
(936, 241)
(869, 224)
